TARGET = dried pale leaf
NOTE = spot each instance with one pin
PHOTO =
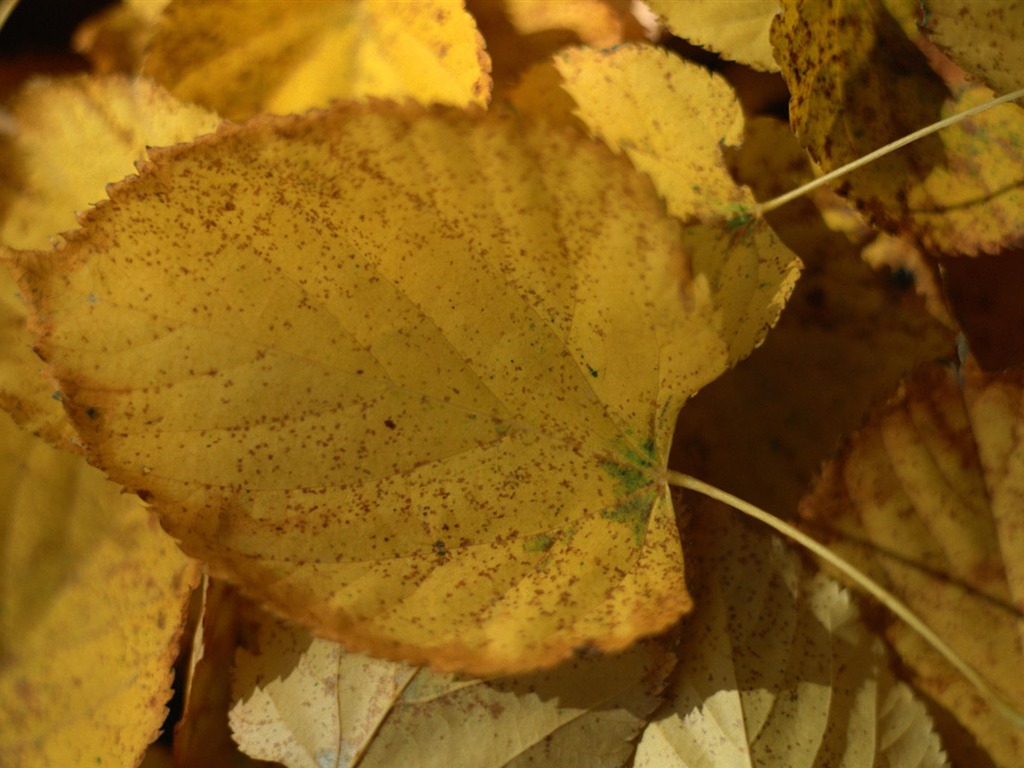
(982, 36)
(241, 58)
(960, 191)
(846, 338)
(416, 392)
(737, 30)
(93, 594)
(932, 490)
(72, 136)
(777, 670)
(306, 703)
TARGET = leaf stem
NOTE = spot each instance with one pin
(777, 202)
(891, 601)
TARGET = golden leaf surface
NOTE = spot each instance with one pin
(304, 702)
(927, 498)
(411, 378)
(776, 670)
(737, 30)
(242, 58)
(960, 191)
(982, 36)
(93, 594)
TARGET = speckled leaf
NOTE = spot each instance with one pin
(777, 671)
(960, 191)
(241, 58)
(982, 36)
(933, 485)
(410, 378)
(737, 30)
(93, 594)
(306, 703)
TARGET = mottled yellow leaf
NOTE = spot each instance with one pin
(306, 703)
(70, 137)
(776, 669)
(982, 36)
(737, 30)
(927, 497)
(960, 191)
(240, 58)
(410, 378)
(93, 594)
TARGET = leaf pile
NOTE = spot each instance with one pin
(392, 335)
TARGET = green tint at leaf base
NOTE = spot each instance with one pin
(631, 469)
(540, 543)
(634, 512)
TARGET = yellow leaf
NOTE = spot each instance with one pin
(960, 191)
(737, 30)
(305, 702)
(93, 594)
(982, 36)
(417, 390)
(240, 58)
(72, 136)
(931, 487)
(116, 38)
(776, 669)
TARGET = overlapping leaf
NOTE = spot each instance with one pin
(945, 190)
(982, 36)
(410, 378)
(928, 498)
(241, 58)
(106, 123)
(305, 702)
(777, 670)
(738, 30)
(93, 594)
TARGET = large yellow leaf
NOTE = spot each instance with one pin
(738, 30)
(241, 58)
(93, 594)
(960, 191)
(410, 378)
(982, 36)
(933, 486)
(776, 669)
(305, 702)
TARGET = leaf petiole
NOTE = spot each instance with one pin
(778, 202)
(888, 599)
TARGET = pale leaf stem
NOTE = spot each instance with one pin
(771, 205)
(870, 586)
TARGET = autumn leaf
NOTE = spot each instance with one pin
(737, 30)
(926, 498)
(115, 39)
(305, 702)
(847, 336)
(982, 36)
(438, 347)
(838, 59)
(241, 58)
(777, 670)
(93, 597)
